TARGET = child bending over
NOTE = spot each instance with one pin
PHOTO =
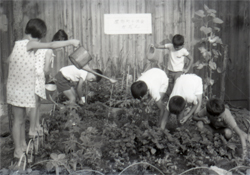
(219, 119)
(68, 76)
(187, 91)
(155, 82)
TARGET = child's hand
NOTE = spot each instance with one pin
(184, 119)
(112, 81)
(244, 153)
(205, 121)
(80, 102)
(185, 71)
(75, 42)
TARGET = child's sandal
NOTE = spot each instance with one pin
(44, 126)
(19, 163)
(36, 139)
(30, 151)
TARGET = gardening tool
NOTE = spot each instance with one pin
(153, 58)
(93, 72)
(151, 54)
(80, 58)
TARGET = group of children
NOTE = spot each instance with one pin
(186, 95)
(31, 59)
(29, 63)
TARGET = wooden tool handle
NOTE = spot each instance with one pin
(93, 72)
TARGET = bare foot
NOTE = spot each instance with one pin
(24, 147)
(18, 153)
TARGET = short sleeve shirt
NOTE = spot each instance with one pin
(226, 119)
(74, 74)
(156, 81)
(176, 58)
(188, 86)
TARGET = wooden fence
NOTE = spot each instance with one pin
(84, 20)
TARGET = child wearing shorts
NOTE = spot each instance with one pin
(187, 91)
(68, 76)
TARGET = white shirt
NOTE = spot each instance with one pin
(176, 58)
(73, 73)
(188, 86)
(156, 81)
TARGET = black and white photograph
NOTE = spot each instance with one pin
(125, 87)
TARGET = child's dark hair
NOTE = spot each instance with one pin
(178, 40)
(36, 28)
(176, 104)
(98, 78)
(60, 35)
(139, 89)
(215, 106)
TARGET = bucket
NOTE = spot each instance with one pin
(50, 90)
(80, 57)
(152, 54)
(50, 87)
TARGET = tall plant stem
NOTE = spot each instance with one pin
(222, 87)
(127, 83)
(210, 74)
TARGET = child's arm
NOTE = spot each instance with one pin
(190, 63)
(158, 46)
(243, 136)
(48, 58)
(161, 107)
(164, 119)
(7, 61)
(79, 88)
(52, 45)
(201, 116)
(195, 109)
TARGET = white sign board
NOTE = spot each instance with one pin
(127, 23)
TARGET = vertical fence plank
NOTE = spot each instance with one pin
(141, 41)
(114, 40)
(123, 44)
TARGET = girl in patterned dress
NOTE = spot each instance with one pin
(43, 62)
(21, 79)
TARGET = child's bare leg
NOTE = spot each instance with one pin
(199, 98)
(17, 129)
(23, 141)
(33, 119)
(37, 125)
(71, 94)
(32, 129)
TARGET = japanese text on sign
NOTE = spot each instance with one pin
(127, 24)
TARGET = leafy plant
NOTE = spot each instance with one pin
(210, 45)
(57, 161)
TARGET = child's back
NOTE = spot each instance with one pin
(20, 83)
